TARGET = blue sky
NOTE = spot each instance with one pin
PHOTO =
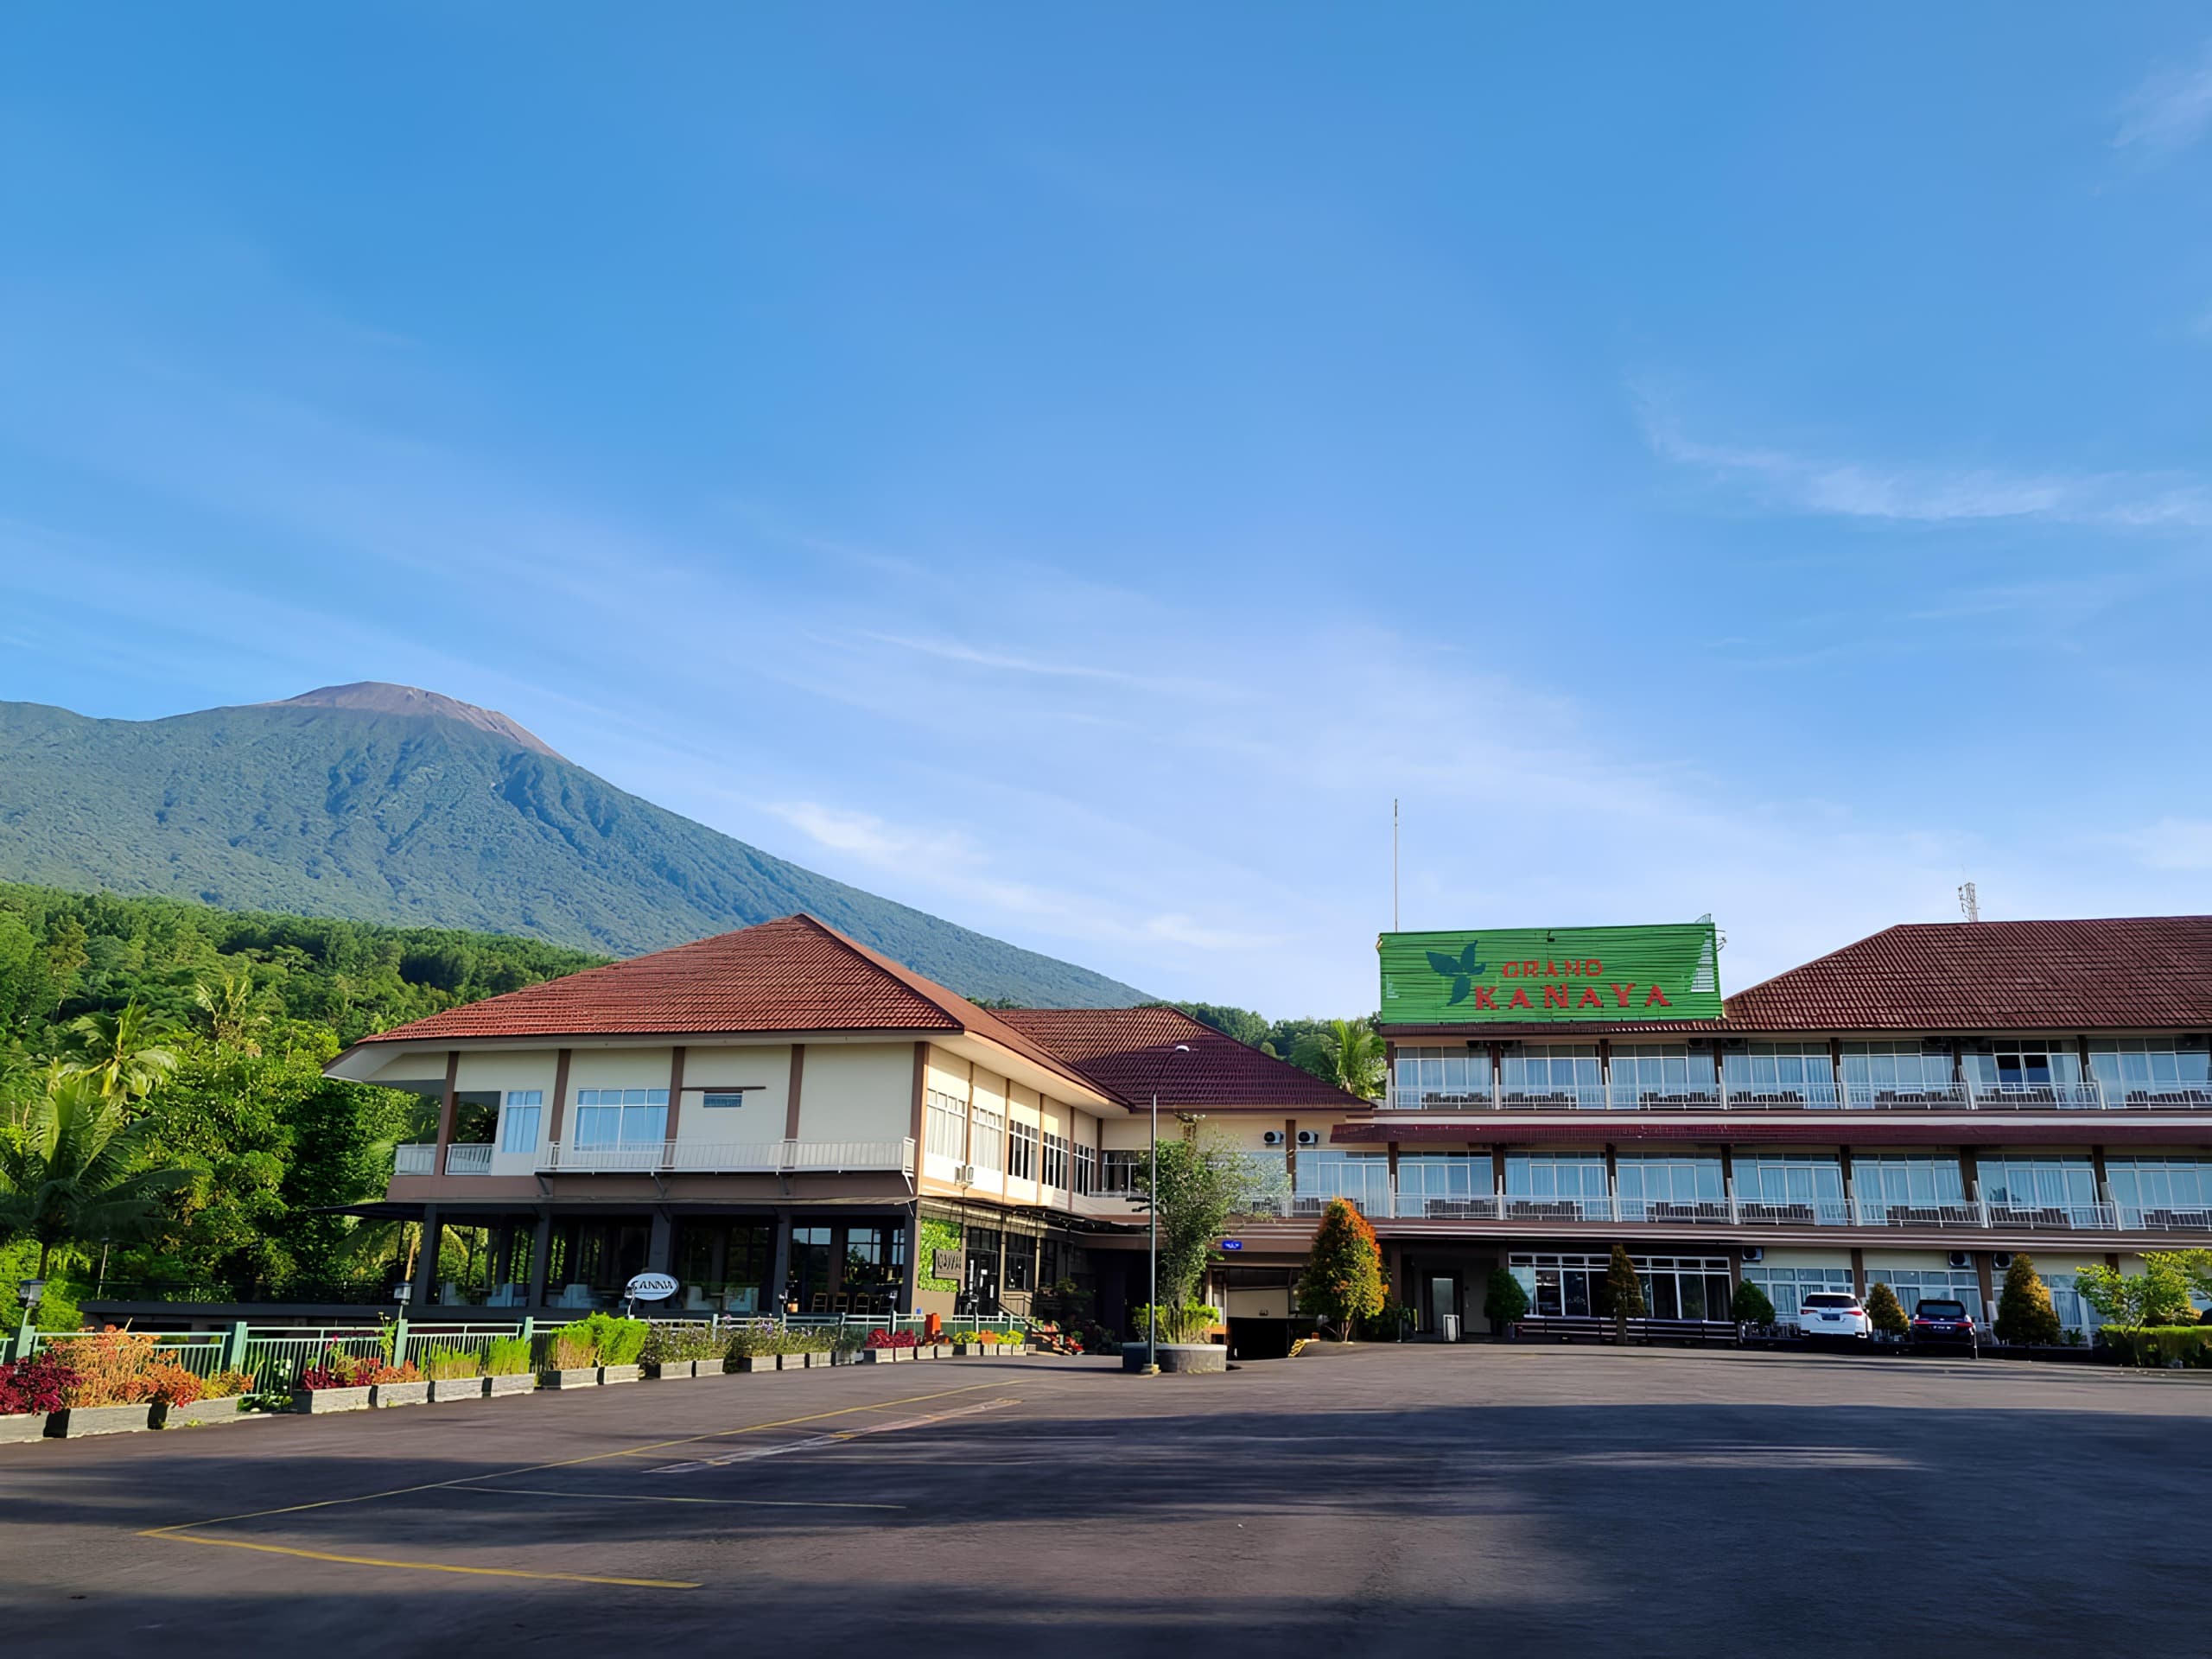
(1069, 472)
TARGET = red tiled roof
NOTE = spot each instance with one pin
(2124, 973)
(1130, 1051)
(792, 974)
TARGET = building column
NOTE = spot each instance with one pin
(910, 1289)
(448, 1109)
(541, 1257)
(1858, 1273)
(426, 1258)
(659, 1243)
(1985, 1272)
(780, 1267)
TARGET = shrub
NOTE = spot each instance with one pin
(616, 1341)
(892, 1339)
(1751, 1305)
(442, 1363)
(667, 1344)
(1387, 1323)
(225, 1385)
(572, 1349)
(112, 1367)
(2023, 1309)
(2157, 1296)
(1624, 1291)
(1504, 1299)
(340, 1369)
(1189, 1323)
(752, 1341)
(40, 1384)
(172, 1385)
(1342, 1280)
(508, 1356)
(1885, 1312)
(2189, 1345)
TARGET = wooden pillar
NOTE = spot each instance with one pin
(560, 1098)
(790, 1099)
(426, 1258)
(674, 1092)
(1858, 1273)
(1983, 1270)
(780, 1266)
(1970, 1173)
(448, 1109)
(910, 1287)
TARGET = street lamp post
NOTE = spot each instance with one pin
(1151, 1213)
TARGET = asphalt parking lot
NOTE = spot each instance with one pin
(1522, 1499)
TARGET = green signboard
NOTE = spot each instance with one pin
(1513, 975)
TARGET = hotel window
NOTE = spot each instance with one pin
(1781, 1074)
(1660, 1073)
(1669, 1181)
(1555, 1175)
(1444, 1177)
(1055, 1162)
(1786, 1287)
(620, 1117)
(1443, 1077)
(1915, 1285)
(721, 1099)
(1877, 1069)
(2167, 1185)
(1904, 1180)
(1086, 1167)
(1796, 1183)
(946, 1125)
(518, 1117)
(2137, 1072)
(2022, 1064)
(1553, 1070)
(2039, 1183)
(1021, 1151)
(986, 1137)
(1118, 1172)
(1674, 1287)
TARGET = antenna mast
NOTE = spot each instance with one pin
(1393, 863)
(1969, 902)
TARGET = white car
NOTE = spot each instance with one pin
(1834, 1314)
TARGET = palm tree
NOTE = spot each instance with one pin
(124, 1052)
(1347, 1053)
(71, 1176)
(226, 1008)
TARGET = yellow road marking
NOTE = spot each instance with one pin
(665, 1497)
(421, 1567)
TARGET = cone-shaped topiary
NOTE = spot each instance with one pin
(1751, 1305)
(1343, 1280)
(1886, 1312)
(2023, 1309)
(1623, 1294)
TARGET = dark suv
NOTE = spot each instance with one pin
(1943, 1324)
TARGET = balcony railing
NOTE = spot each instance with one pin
(471, 1159)
(1810, 1095)
(1378, 1204)
(419, 1158)
(734, 1158)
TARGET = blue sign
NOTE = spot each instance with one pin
(1232, 1243)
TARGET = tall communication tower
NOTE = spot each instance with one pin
(1969, 904)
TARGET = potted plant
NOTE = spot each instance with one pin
(339, 1383)
(220, 1399)
(455, 1374)
(397, 1385)
(571, 1359)
(30, 1391)
(752, 1348)
(506, 1366)
(884, 1347)
(674, 1351)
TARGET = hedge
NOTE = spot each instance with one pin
(2160, 1344)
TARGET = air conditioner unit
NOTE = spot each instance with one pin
(1961, 1259)
(1754, 1253)
(1309, 1137)
(1271, 1138)
(2001, 1261)
(965, 1174)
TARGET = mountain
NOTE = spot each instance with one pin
(386, 804)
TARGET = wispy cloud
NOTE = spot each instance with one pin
(2174, 844)
(1926, 495)
(2170, 110)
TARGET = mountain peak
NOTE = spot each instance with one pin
(381, 697)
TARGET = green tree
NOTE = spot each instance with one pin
(1342, 1280)
(2023, 1309)
(125, 1053)
(1346, 1052)
(75, 1173)
(1201, 1182)
(1624, 1293)
(2158, 1295)
(1751, 1305)
(228, 1012)
(1885, 1312)
(1504, 1300)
